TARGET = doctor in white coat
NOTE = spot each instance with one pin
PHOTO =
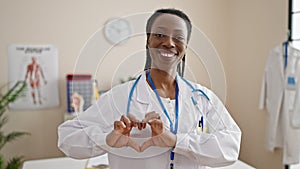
(160, 120)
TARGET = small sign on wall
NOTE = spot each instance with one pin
(37, 65)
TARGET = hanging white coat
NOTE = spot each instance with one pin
(84, 136)
(279, 100)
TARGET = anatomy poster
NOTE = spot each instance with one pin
(37, 65)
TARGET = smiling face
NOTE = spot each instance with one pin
(167, 42)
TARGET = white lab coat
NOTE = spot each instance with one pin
(84, 136)
(277, 98)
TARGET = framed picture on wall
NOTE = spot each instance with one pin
(37, 65)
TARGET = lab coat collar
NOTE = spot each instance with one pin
(279, 52)
(143, 93)
(182, 85)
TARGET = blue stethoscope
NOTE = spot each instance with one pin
(172, 127)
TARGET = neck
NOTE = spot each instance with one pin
(164, 82)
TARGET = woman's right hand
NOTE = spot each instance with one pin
(119, 137)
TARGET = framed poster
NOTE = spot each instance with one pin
(37, 65)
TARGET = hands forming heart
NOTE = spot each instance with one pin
(120, 136)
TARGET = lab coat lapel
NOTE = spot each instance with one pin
(184, 91)
(186, 110)
(281, 60)
(142, 91)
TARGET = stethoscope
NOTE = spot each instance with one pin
(172, 127)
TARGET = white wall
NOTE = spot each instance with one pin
(257, 27)
(242, 32)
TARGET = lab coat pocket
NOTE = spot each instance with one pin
(291, 100)
(291, 85)
(202, 128)
(294, 109)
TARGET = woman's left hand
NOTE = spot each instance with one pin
(160, 137)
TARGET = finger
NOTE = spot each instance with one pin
(146, 145)
(132, 117)
(126, 120)
(144, 124)
(119, 126)
(150, 116)
(149, 113)
(155, 123)
(133, 120)
(134, 145)
(140, 125)
(156, 126)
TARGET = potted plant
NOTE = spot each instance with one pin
(5, 98)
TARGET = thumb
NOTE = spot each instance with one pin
(133, 145)
(146, 144)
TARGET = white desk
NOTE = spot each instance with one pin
(296, 166)
(55, 163)
(68, 163)
(237, 165)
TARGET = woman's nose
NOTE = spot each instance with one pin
(169, 42)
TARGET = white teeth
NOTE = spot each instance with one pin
(167, 54)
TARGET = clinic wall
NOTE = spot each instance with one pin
(256, 27)
(241, 31)
(68, 25)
